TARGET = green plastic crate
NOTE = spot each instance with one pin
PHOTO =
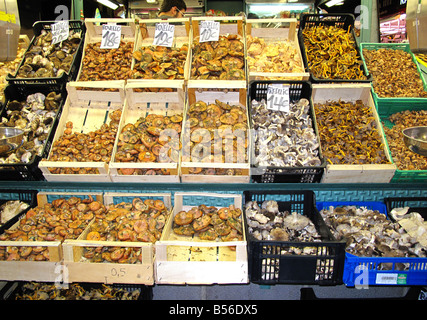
(388, 106)
(403, 176)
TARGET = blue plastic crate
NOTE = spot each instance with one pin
(365, 271)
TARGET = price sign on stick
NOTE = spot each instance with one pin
(209, 31)
(278, 97)
(163, 35)
(60, 31)
(111, 35)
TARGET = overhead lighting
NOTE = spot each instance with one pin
(108, 4)
(332, 3)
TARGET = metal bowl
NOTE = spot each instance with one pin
(415, 139)
(10, 139)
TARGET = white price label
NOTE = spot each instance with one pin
(278, 97)
(111, 35)
(60, 31)
(209, 31)
(164, 34)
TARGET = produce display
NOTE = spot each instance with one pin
(217, 132)
(404, 158)
(349, 134)
(106, 64)
(157, 62)
(284, 138)
(210, 223)
(95, 146)
(35, 116)
(331, 53)
(51, 291)
(44, 60)
(394, 73)
(154, 138)
(219, 60)
(359, 225)
(54, 221)
(276, 56)
(136, 221)
(10, 67)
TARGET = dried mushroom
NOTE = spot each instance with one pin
(404, 158)
(349, 134)
(331, 53)
(394, 73)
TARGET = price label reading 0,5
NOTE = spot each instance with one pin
(60, 31)
(278, 97)
(209, 31)
(111, 35)
(164, 34)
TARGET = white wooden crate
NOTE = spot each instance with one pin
(275, 30)
(78, 270)
(350, 173)
(140, 104)
(87, 108)
(208, 95)
(190, 260)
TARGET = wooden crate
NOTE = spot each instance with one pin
(87, 107)
(182, 36)
(189, 260)
(50, 271)
(94, 34)
(140, 104)
(230, 95)
(348, 173)
(274, 30)
(228, 25)
(79, 271)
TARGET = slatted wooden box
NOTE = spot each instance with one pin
(182, 37)
(239, 167)
(353, 173)
(190, 260)
(140, 103)
(79, 270)
(51, 270)
(88, 107)
(275, 30)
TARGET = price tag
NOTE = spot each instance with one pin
(111, 35)
(164, 34)
(209, 31)
(278, 97)
(60, 31)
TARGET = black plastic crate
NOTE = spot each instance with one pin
(270, 265)
(71, 74)
(415, 204)
(12, 289)
(30, 171)
(27, 196)
(344, 21)
(297, 174)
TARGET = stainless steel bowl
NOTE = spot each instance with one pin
(415, 139)
(10, 139)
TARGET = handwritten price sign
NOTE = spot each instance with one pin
(111, 35)
(60, 31)
(163, 35)
(209, 31)
(278, 97)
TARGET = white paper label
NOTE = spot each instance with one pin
(386, 278)
(164, 34)
(111, 35)
(60, 31)
(209, 31)
(278, 97)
